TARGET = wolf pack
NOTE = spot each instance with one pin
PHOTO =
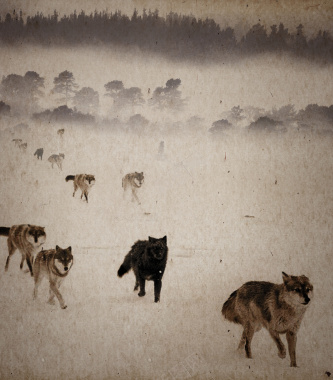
(279, 308)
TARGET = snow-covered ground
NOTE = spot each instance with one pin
(235, 209)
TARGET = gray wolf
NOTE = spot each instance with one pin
(23, 147)
(39, 153)
(133, 181)
(27, 239)
(83, 181)
(277, 307)
(54, 264)
(148, 260)
(57, 159)
(60, 132)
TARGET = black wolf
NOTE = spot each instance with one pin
(148, 260)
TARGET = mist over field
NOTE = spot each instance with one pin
(236, 206)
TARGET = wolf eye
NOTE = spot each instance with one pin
(297, 290)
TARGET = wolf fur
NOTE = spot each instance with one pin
(277, 307)
(55, 265)
(133, 181)
(27, 239)
(83, 181)
(57, 159)
(17, 142)
(148, 260)
(39, 153)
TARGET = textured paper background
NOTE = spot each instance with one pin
(201, 196)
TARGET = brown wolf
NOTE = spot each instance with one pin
(148, 260)
(26, 238)
(133, 181)
(277, 307)
(60, 132)
(57, 159)
(55, 265)
(39, 153)
(83, 181)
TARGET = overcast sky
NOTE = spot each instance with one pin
(240, 14)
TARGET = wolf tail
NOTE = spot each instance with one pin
(229, 308)
(4, 231)
(125, 266)
(70, 178)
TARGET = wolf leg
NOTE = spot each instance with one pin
(249, 332)
(38, 279)
(136, 286)
(54, 287)
(75, 188)
(86, 195)
(242, 341)
(279, 344)
(142, 283)
(157, 289)
(28, 258)
(291, 339)
(134, 196)
(11, 251)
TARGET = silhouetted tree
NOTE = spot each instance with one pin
(168, 96)
(86, 100)
(65, 84)
(22, 92)
(113, 88)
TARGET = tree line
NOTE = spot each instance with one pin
(21, 94)
(175, 35)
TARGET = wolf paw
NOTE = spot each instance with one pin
(51, 302)
(64, 307)
(282, 354)
(141, 294)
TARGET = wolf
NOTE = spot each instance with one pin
(60, 132)
(277, 307)
(83, 181)
(55, 265)
(39, 153)
(134, 181)
(148, 260)
(57, 159)
(23, 147)
(17, 141)
(27, 239)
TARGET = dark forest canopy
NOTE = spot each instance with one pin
(174, 35)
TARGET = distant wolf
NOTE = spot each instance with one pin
(39, 153)
(57, 159)
(148, 260)
(83, 181)
(53, 264)
(23, 147)
(277, 307)
(134, 181)
(60, 132)
(17, 141)
(26, 238)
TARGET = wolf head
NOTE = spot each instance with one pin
(139, 179)
(36, 235)
(89, 179)
(157, 248)
(63, 259)
(299, 289)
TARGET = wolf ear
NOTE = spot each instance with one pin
(285, 276)
(151, 239)
(57, 247)
(164, 238)
(69, 249)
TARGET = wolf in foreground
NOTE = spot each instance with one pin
(277, 307)
(27, 239)
(133, 181)
(83, 181)
(148, 260)
(53, 264)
